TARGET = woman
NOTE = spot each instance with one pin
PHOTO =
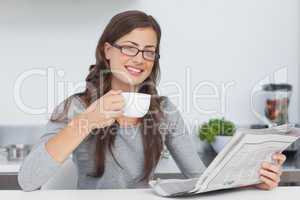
(109, 149)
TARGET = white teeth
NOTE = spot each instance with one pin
(134, 69)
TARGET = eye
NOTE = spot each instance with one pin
(129, 50)
(150, 53)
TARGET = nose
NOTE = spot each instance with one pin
(138, 58)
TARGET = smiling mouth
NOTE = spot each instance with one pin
(134, 71)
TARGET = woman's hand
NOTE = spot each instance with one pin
(270, 173)
(104, 111)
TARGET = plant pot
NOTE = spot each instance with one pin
(220, 142)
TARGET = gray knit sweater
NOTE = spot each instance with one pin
(39, 166)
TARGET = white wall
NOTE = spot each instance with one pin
(222, 42)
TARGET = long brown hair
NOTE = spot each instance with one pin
(98, 82)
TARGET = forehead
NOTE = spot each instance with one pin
(141, 36)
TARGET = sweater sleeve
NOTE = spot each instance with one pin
(38, 167)
(179, 142)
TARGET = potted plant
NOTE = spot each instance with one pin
(217, 132)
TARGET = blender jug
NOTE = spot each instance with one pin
(277, 102)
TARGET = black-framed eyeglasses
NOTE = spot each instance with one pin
(133, 51)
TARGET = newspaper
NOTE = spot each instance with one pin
(236, 165)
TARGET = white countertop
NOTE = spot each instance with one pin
(164, 166)
(9, 166)
(278, 193)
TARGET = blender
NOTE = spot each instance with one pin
(277, 102)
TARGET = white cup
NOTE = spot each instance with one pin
(136, 104)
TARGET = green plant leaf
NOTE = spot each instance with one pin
(209, 130)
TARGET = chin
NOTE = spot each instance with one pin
(133, 82)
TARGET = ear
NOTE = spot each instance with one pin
(107, 50)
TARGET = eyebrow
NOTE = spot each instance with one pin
(136, 44)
